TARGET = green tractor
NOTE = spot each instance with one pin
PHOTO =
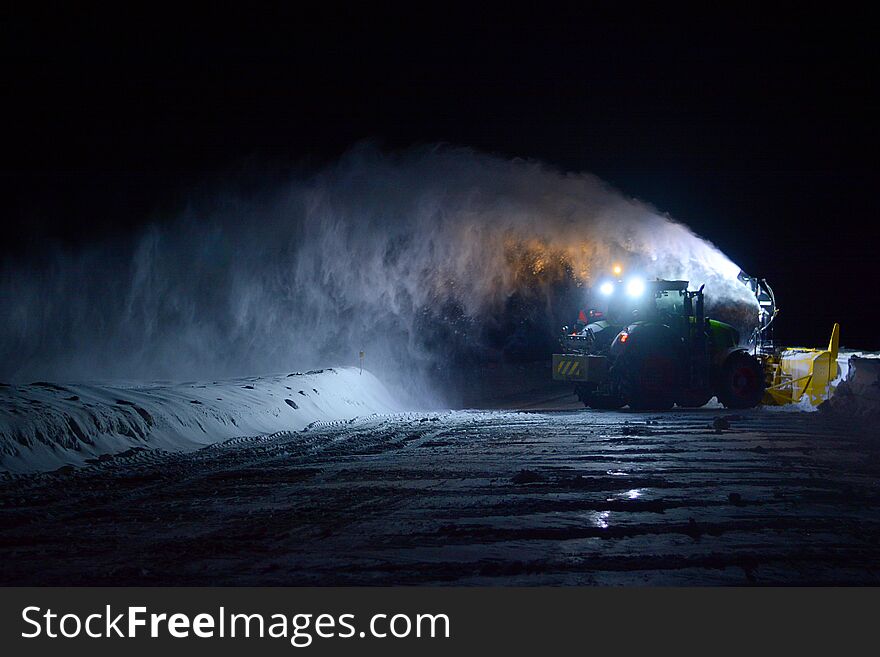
(653, 348)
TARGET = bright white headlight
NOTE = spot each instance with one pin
(606, 288)
(635, 287)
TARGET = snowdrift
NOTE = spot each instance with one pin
(44, 426)
(858, 393)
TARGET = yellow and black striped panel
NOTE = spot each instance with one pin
(570, 367)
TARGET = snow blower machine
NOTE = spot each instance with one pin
(792, 374)
(653, 347)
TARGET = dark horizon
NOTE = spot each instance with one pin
(760, 137)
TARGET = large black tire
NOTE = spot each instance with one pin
(604, 402)
(741, 381)
(652, 379)
(694, 398)
(591, 399)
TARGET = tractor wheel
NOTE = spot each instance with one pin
(583, 393)
(592, 399)
(653, 381)
(694, 398)
(741, 384)
(604, 402)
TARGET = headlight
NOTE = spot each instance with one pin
(606, 288)
(635, 287)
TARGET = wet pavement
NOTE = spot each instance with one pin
(468, 498)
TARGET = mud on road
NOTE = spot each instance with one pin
(467, 498)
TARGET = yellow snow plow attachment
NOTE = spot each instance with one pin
(793, 374)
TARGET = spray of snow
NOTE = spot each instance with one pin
(399, 255)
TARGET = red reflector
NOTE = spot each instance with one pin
(624, 337)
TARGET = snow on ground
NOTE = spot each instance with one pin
(44, 426)
(858, 391)
(844, 356)
(468, 498)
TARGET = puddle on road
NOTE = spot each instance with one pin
(600, 519)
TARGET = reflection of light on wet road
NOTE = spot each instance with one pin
(632, 494)
(600, 519)
(616, 473)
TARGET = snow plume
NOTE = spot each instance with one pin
(420, 259)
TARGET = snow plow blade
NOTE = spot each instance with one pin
(574, 367)
(795, 374)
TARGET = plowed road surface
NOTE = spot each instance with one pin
(468, 497)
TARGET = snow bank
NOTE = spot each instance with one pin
(44, 426)
(844, 357)
(858, 393)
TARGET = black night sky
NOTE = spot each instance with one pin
(757, 131)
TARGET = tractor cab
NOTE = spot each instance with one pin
(621, 304)
(649, 300)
